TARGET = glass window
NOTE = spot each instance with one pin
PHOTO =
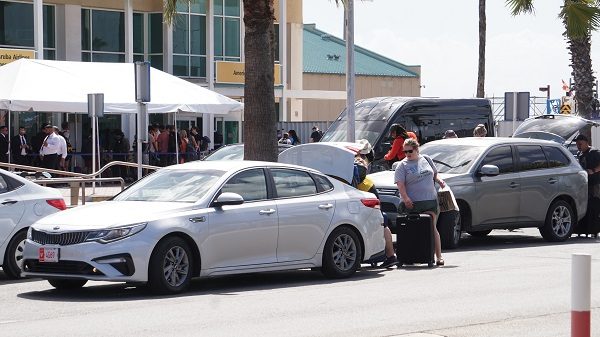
(49, 39)
(531, 157)
(172, 186)
(86, 57)
(198, 7)
(556, 158)
(86, 29)
(108, 57)
(198, 34)
(108, 31)
(232, 7)
(292, 183)
(16, 24)
(49, 54)
(181, 35)
(218, 7)
(250, 184)
(3, 185)
(156, 61)
(180, 65)
(501, 157)
(323, 183)
(197, 66)
(218, 36)
(232, 37)
(138, 33)
(155, 33)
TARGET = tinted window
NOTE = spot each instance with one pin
(291, 183)
(531, 157)
(323, 183)
(250, 184)
(3, 185)
(556, 158)
(501, 157)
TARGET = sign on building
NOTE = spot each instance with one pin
(234, 73)
(10, 55)
(553, 106)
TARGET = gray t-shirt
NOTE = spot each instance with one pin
(417, 176)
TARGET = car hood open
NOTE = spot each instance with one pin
(558, 128)
(108, 214)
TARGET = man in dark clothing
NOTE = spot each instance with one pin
(316, 134)
(589, 158)
(20, 148)
(4, 144)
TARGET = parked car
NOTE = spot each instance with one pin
(502, 183)
(236, 152)
(206, 219)
(558, 128)
(428, 118)
(22, 202)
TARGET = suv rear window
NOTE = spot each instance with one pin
(531, 157)
(556, 157)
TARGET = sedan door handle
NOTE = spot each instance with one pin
(552, 180)
(514, 185)
(326, 206)
(9, 202)
(266, 211)
(198, 219)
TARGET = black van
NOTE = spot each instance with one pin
(429, 118)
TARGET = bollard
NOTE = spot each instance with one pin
(581, 284)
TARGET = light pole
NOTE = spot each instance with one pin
(349, 26)
(546, 89)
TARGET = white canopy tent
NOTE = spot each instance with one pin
(62, 86)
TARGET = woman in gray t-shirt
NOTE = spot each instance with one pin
(415, 177)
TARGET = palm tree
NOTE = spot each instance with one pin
(580, 18)
(259, 99)
(482, 35)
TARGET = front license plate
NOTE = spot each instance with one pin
(48, 254)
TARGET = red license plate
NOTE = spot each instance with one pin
(48, 254)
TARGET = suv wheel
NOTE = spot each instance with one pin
(449, 227)
(559, 222)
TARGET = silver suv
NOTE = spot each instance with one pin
(502, 183)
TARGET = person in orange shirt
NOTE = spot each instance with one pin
(399, 134)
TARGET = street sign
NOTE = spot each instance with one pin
(565, 109)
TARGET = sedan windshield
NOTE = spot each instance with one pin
(172, 186)
(454, 159)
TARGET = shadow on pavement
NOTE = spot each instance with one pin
(504, 239)
(223, 285)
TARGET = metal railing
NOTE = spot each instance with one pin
(77, 180)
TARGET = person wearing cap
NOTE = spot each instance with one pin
(316, 134)
(589, 158)
(449, 134)
(50, 148)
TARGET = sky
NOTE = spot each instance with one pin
(523, 53)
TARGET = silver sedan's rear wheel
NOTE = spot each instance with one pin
(170, 269)
(342, 253)
(559, 222)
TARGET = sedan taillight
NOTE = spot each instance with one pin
(371, 202)
(57, 203)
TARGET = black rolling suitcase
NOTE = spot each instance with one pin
(414, 242)
(590, 224)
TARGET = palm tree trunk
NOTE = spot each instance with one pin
(482, 35)
(260, 141)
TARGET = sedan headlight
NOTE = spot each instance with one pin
(114, 234)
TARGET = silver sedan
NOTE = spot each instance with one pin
(207, 219)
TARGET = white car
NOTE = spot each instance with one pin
(207, 219)
(22, 202)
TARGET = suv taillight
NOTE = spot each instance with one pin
(57, 203)
(371, 202)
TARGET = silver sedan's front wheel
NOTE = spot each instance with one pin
(342, 253)
(170, 268)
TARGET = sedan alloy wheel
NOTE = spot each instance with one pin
(342, 253)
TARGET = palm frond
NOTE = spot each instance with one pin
(169, 10)
(581, 17)
(517, 7)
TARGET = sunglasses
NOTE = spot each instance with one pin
(408, 151)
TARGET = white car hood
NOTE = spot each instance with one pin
(108, 214)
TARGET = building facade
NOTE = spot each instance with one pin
(204, 45)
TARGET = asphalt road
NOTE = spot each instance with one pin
(508, 284)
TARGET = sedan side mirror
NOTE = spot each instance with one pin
(228, 198)
(489, 170)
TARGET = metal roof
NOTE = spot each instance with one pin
(326, 54)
